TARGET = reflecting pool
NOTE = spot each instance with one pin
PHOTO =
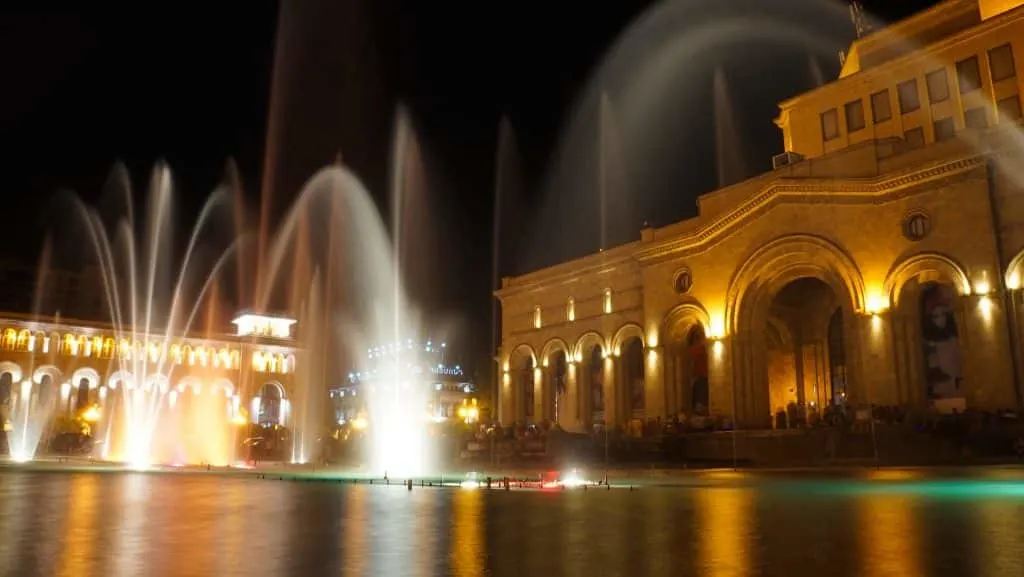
(91, 524)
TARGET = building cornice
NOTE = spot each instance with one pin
(876, 190)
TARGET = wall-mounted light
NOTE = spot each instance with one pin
(607, 301)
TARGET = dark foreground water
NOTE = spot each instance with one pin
(103, 524)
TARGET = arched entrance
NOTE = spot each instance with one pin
(928, 315)
(271, 405)
(686, 362)
(805, 349)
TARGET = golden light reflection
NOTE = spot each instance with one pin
(724, 524)
(78, 558)
(354, 532)
(889, 537)
(467, 553)
(426, 514)
(999, 531)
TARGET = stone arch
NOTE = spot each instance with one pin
(553, 346)
(926, 267)
(786, 259)
(190, 383)
(47, 371)
(685, 316)
(520, 348)
(587, 339)
(89, 374)
(13, 369)
(157, 382)
(119, 378)
(1014, 277)
(274, 385)
(223, 384)
(623, 335)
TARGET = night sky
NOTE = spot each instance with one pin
(84, 87)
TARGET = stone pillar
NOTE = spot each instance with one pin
(540, 395)
(569, 417)
(654, 382)
(875, 382)
(612, 400)
(985, 352)
(507, 416)
(720, 378)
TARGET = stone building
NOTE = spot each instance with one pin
(878, 263)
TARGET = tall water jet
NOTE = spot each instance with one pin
(728, 153)
(148, 300)
(507, 192)
(817, 76)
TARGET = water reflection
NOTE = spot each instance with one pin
(132, 540)
(889, 535)
(181, 524)
(999, 528)
(354, 532)
(724, 525)
(467, 546)
(78, 539)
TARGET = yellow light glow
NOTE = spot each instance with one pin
(716, 328)
(1013, 281)
(240, 420)
(92, 414)
(717, 347)
(982, 287)
(876, 302)
(262, 325)
(985, 306)
(876, 322)
(652, 338)
(359, 423)
(570, 309)
(607, 301)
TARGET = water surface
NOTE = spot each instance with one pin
(104, 524)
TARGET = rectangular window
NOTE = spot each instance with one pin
(1009, 109)
(1000, 62)
(907, 92)
(854, 115)
(830, 124)
(938, 86)
(975, 118)
(944, 129)
(914, 137)
(881, 109)
(968, 75)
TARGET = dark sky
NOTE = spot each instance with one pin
(87, 86)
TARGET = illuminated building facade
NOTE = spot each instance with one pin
(880, 262)
(421, 364)
(83, 362)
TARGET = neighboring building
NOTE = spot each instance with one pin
(83, 361)
(420, 364)
(879, 263)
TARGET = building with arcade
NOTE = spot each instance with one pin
(880, 261)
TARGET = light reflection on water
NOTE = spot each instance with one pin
(162, 525)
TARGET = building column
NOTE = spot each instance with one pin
(507, 416)
(985, 350)
(540, 395)
(720, 379)
(654, 383)
(569, 417)
(612, 400)
(875, 382)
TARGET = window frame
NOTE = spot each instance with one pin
(945, 83)
(964, 87)
(1013, 64)
(883, 94)
(917, 96)
(824, 133)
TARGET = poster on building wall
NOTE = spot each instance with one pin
(941, 341)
